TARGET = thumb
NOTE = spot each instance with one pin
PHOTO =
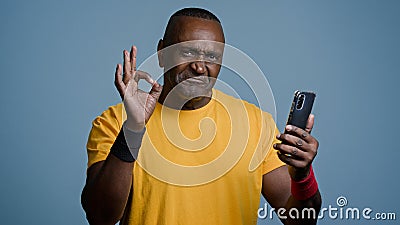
(155, 91)
(310, 123)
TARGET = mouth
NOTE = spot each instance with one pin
(191, 79)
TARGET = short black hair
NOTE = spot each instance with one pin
(196, 12)
(192, 12)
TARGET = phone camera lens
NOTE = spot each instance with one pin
(300, 102)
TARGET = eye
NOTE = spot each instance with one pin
(188, 53)
(212, 57)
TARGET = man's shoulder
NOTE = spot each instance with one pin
(114, 109)
(113, 112)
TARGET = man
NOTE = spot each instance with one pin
(119, 188)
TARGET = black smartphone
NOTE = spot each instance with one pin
(301, 108)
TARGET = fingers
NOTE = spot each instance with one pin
(293, 147)
(303, 134)
(298, 147)
(129, 64)
(299, 138)
(310, 123)
(295, 136)
(143, 75)
(156, 87)
(119, 84)
(124, 74)
(127, 67)
(290, 150)
(155, 91)
(292, 160)
(133, 58)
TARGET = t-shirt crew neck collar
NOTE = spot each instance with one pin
(192, 111)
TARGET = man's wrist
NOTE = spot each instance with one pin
(127, 144)
(133, 139)
(298, 174)
(305, 188)
(132, 126)
(120, 148)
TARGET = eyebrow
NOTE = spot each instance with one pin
(199, 49)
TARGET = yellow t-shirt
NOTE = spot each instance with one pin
(202, 166)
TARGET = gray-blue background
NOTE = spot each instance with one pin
(57, 60)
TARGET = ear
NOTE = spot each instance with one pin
(160, 55)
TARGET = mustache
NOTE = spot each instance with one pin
(191, 78)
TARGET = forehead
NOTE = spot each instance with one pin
(188, 28)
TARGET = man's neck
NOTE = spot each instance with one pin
(179, 103)
(196, 103)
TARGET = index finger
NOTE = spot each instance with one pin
(119, 84)
(298, 132)
(143, 75)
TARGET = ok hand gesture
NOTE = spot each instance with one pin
(139, 105)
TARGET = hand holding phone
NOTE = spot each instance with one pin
(298, 148)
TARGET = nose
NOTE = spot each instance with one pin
(199, 67)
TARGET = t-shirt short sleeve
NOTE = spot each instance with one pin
(105, 129)
(272, 160)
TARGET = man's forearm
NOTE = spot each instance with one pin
(108, 185)
(305, 201)
(105, 196)
(302, 211)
